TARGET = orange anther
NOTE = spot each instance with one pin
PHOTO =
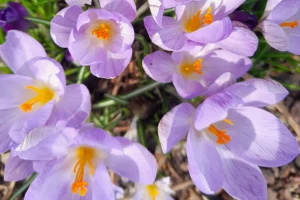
(292, 24)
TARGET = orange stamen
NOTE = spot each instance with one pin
(197, 21)
(153, 191)
(102, 32)
(44, 95)
(293, 24)
(196, 67)
(222, 137)
(85, 156)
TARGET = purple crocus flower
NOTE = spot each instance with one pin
(36, 95)
(280, 26)
(78, 162)
(229, 136)
(101, 38)
(197, 23)
(193, 72)
(12, 17)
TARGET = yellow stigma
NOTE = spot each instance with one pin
(44, 95)
(153, 191)
(85, 156)
(292, 24)
(222, 137)
(103, 32)
(197, 21)
(188, 69)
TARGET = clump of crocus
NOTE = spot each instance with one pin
(229, 136)
(101, 38)
(280, 25)
(196, 23)
(36, 95)
(193, 72)
(78, 162)
(12, 17)
(160, 190)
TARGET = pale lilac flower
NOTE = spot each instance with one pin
(280, 25)
(160, 190)
(101, 38)
(78, 161)
(229, 137)
(197, 23)
(36, 95)
(193, 72)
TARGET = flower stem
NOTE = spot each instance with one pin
(142, 9)
(23, 188)
(37, 20)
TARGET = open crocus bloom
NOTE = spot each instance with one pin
(281, 25)
(196, 23)
(101, 38)
(160, 190)
(35, 95)
(194, 71)
(78, 161)
(229, 137)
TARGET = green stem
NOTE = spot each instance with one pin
(23, 188)
(142, 9)
(80, 75)
(39, 21)
(134, 93)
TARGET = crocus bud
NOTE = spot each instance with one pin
(245, 17)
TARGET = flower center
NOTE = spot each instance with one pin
(222, 137)
(152, 190)
(292, 24)
(85, 156)
(197, 21)
(188, 69)
(103, 31)
(44, 95)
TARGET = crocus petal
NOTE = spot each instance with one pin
(228, 7)
(159, 66)
(215, 32)
(79, 2)
(174, 125)
(284, 10)
(241, 41)
(187, 88)
(17, 169)
(294, 44)
(260, 138)
(157, 10)
(73, 108)
(275, 35)
(170, 36)
(242, 180)
(20, 48)
(125, 7)
(221, 83)
(270, 6)
(113, 66)
(46, 143)
(215, 108)
(13, 91)
(141, 165)
(204, 162)
(259, 92)
(8, 118)
(63, 23)
(102, 186)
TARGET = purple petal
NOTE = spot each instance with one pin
(73, 109)
(294, 44)
(187, 88)
(63, 23)
(20, 48)
(170, 36)
(141, 166)
(125, 7)
(221, 83)
(174, 125)
(241, 41)
(284, 10)
(159, 66)
(17, 169)
(157, 10)
(113, 66)
(215, 108)
(228, 6)
(205, 165)
(46, 143)
(215, 32)
(260, 138)
(259, 92)
(79, 2)
(242, 180)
